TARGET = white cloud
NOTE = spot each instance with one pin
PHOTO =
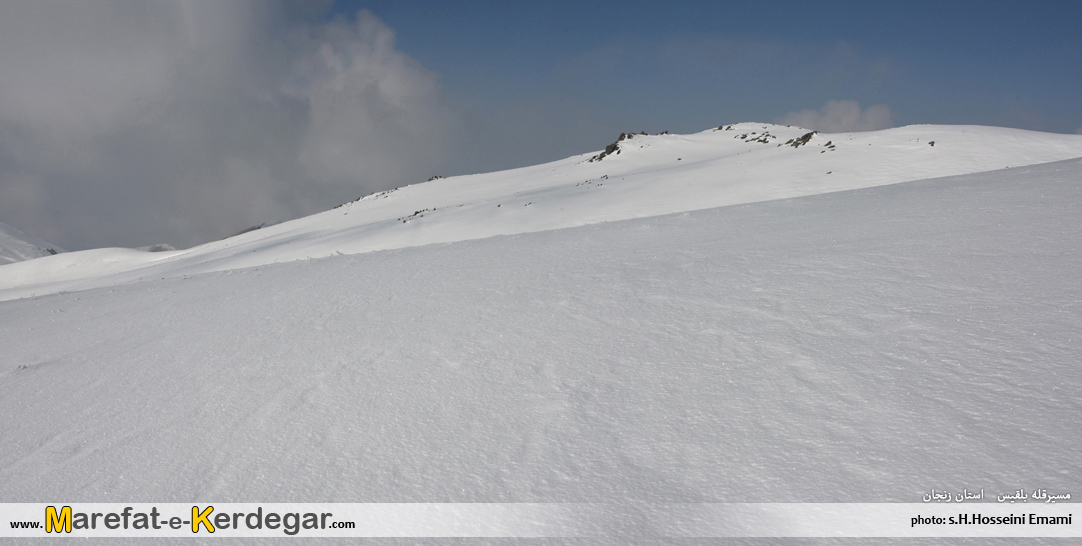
(367, 102)
(182, 122)
(841, 116)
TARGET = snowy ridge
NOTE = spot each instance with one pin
(643, 176)
(16, 246)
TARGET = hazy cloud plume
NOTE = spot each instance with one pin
(841, 116)
(131, 124)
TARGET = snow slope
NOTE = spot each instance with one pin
(651, 175)
(857, 346)
(16, 246)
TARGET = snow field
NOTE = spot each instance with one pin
(860, 346)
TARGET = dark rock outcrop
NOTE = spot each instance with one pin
(800, 141)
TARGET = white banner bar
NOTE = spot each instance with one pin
(203, 520)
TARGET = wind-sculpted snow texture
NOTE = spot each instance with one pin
(858, 346)
(652, 175)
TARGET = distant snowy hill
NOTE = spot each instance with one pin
(639, 176)
(16, 246)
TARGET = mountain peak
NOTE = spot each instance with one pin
(16, 246)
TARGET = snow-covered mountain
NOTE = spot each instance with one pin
(719, 319)
(640, 176)
(16, 246)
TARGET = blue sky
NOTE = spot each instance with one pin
(136, 123)
(687, 65)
